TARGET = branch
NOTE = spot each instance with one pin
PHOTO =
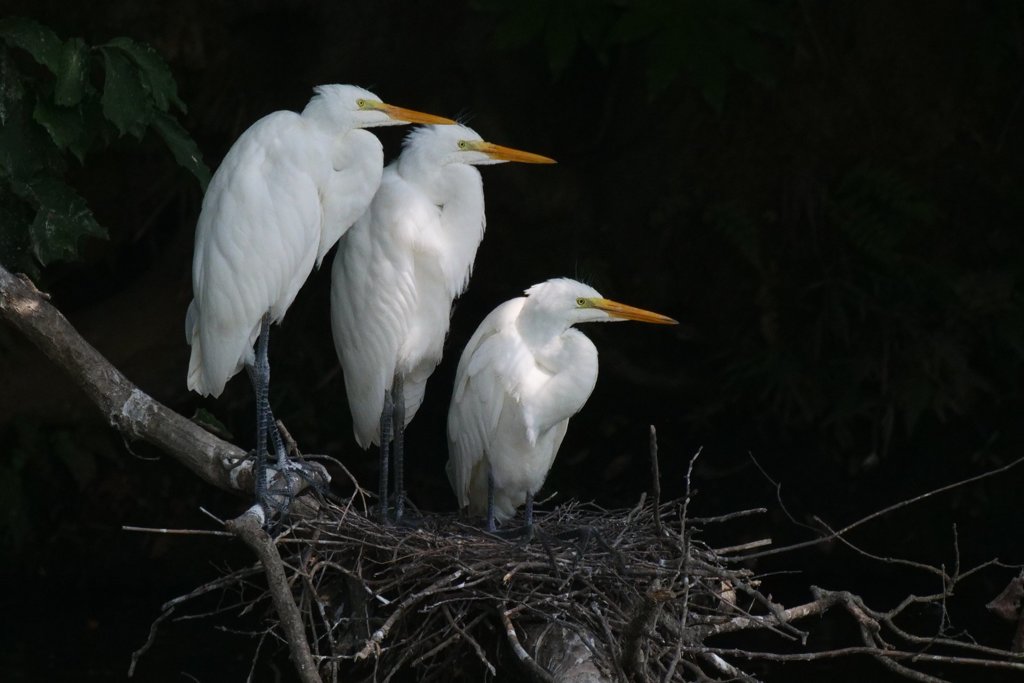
(878, 513)
(249, 528)
(125, 407)
(536, 670)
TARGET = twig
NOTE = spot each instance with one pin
(169, 607)
(249, 527)
(743, 546)
(468, 638)
(728, 517)
(884, 511)
(857, 650)
(535, 669)
(182, 532)
(125, 406)
(655, 481)
(373, 643)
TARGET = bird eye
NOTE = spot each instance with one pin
(463, 144)
(361, 103)
(581, 302)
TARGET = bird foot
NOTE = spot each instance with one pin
(411, 517)
(284, 481)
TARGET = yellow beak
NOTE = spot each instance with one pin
(508, 154)
(617, 310)
(412, 116)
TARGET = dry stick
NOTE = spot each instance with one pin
(124, 406)
(169, 606)
(468, 638)
(861, 650)
(887, 619)
(535, 669)
(373, 643)
(726, 668)
(183, 532)
(656, 481)
(641, 626)
(127, 408)
(728, 517)
(883, 511)
(869, 633)
(760, 543)
(249, 527)
(613, 654)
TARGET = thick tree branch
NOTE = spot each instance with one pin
(127, 408)
(249, 527)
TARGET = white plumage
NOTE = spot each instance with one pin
(401, 266)
(523, 374)
(286, 191)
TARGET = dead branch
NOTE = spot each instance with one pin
(876, 514)
(127, 408)
(655, 479)
(249, 528)
(536, 671)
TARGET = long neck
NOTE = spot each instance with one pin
(458, 192)
(539, 326)
(318, 113)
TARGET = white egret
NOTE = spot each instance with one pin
(286, 191)
(396, 275)
(523, 374)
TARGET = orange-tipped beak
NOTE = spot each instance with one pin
(614, 308)
(508, 154)
(412, 116)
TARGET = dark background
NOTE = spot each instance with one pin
(826, 195)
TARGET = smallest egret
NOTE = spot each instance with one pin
(523, 374)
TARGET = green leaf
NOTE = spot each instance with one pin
(72, 74)
(155, 75)
(24, 146)
(182, 146)
(69, 127)
(62, 218)
(124, 99)
(15, 247)
(39, 41)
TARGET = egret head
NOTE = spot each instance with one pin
(345, 107)
(576, 302)
(460, 144)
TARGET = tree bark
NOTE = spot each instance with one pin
(125, 407)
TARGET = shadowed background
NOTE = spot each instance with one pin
(828, 198)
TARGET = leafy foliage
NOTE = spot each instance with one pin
(47, 114)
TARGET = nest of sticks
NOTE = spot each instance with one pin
(625, 585)
(599, 594)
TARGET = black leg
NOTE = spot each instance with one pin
(490, 500)
(275, 437)
(528, 521)
(260, 375)
(386, 416)
(398, 416)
